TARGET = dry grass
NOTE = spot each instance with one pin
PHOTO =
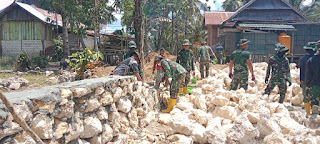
(35, 81)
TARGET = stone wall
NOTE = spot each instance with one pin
(94, 110)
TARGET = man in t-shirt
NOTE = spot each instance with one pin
(241, 60)
(129, 65)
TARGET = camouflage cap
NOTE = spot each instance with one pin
(310, 45)
(159, 57)
(162, 49)
(132, 44)
(243, 42)
(186, 42)
(281, 48)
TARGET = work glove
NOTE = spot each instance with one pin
(230, 75)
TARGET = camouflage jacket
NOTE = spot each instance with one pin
(127, 55)
(185, 58)
(280, 68)
(205, 53)
(171, 68)
(240, 57)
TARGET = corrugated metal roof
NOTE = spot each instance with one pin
(216, 18)
(41, 14)
(273, 26)
(4, 4)
(33, 11)
(268, 10)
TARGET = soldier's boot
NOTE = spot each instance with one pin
(315, 110)
(171, 104)
(281, 99)
(308, 108)
(181, 91)
(185, 90)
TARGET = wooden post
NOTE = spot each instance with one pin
(292, 46)
(19, 120)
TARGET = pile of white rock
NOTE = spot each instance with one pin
(212, 114)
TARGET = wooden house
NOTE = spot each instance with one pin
(263, 22)
(25, 27)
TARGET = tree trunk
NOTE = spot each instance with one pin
(138, 26)
(95, 26)
(66, 50)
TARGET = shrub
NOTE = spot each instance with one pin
(23, 61)
(58, 49)
(40, 61)
(7, 63)
(79, 60)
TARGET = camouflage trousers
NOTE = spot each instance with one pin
(176, 83)
(204, 65)
(239, 79)
(220, 60)
(158, 78)
(305, 93)
(281, 83)
(314, 93)
(187, 79)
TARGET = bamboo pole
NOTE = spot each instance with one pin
(19, 120)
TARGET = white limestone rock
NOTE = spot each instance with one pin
(275, 138)
(79, 92)
(106, 99)
(198, 134)
(102, 114)
(180, 139)
(227, 112)
(107, 134)
(42, 126)
(92, 127)
(124, 105)
(93, 104)
(220, 101)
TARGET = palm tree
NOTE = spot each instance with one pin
(233, 5)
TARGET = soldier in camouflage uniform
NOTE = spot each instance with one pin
(176, 75)
(220, 54)
(313, 79)
(185, 58)
(132, 48)
(279, 65)
(241, 60)
(205, 54)
(159, 69)
(302, 65)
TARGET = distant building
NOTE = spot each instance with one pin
(263, 22)
(212, 22)
(25, 27)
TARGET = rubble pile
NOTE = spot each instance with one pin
(121, 110)
(13, 83)
(65, 76)
(212, 114)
